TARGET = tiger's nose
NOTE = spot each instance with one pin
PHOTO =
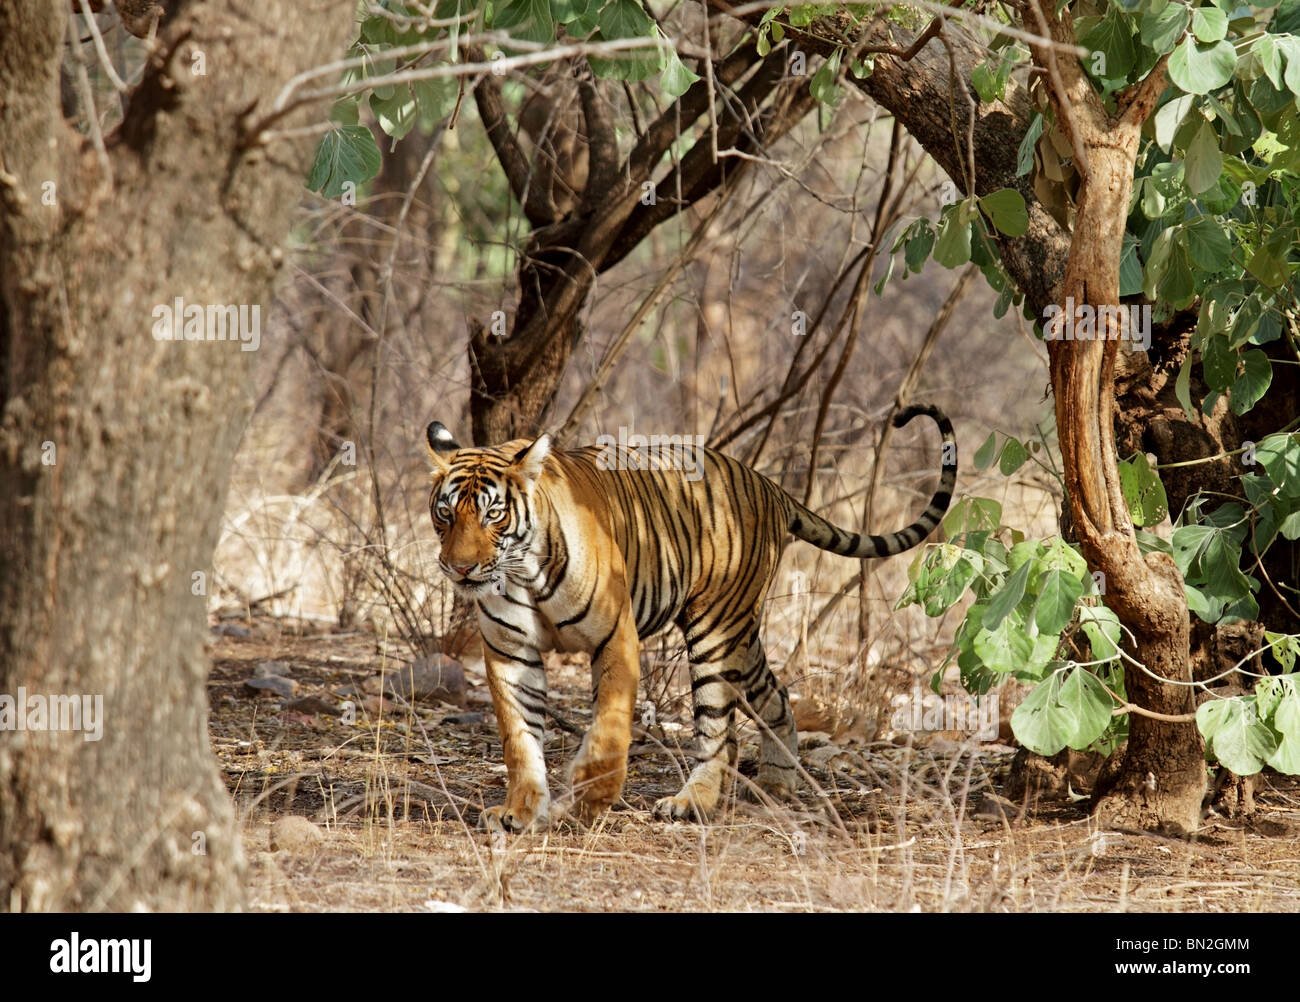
(462, 569)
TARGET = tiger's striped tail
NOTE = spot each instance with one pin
(812, 528)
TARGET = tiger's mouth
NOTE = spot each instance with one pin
(476, 587)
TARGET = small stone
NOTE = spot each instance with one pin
(995, 808)
(295, 834)
(265, 669)
(378, 706)
(272, 684)
(429, 678)
(232, 630)
(313, 704)
(464, 719)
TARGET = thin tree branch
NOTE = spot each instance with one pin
(536, 202)
(682, 114)
(602, 144)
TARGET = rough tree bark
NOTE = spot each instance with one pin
(1161, 781)
(516, 376)
(102, 528)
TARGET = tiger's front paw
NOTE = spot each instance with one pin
(682, 807)
(598, 781)
(525, 808)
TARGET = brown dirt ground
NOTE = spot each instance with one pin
(884, 828)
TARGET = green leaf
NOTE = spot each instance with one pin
(568, 11)
(624, 19)
(348, 153)
(1061, 556)
(1285, 648)
(1269, 262)
(1199, 68)
(436, 100)
(345, 112)
(1041, 723)
(1280, 456)
(984, 454)
(1209, 24)
(1006, 207)
(1160, 31)
(1111, 37)
(1058, 594)
(1221, 565)
(1025, 155)
(972, 515)
(1177, 287)
(952, 248)
(918, 241)
(1101, 627)
(1007, 597)
(1253, 381)
(1013, 457)
(1143, 491)
(1169, 116)
(1291, 78)
(677, 77)
(1207, 244)
(1233, 734)
(1286, 758)
(1219, 362)
(1204, 162)
(1040, 659)
(825, 86)
(1188, 544)
(1005, 649)
(396, 115)
(526, 19)
(985, 83)
(1286, 722)
(1087, 700)
(952, 585)
(1130, 268)
(1270, 59)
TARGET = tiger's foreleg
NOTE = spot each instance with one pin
(517, 679)
(600, 767)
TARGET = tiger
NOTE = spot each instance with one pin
(596, 549)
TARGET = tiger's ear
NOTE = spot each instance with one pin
(441, 445)
(529, 460)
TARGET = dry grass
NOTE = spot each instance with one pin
(881, 827)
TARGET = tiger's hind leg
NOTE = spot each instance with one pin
(767, 703)
(716, 668)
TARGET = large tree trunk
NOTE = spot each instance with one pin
(115, 448)
(1161, 781)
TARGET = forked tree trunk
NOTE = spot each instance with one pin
(115, 448)
(1161, 781)
(515, 377)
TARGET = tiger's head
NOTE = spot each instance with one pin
(481, 503)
